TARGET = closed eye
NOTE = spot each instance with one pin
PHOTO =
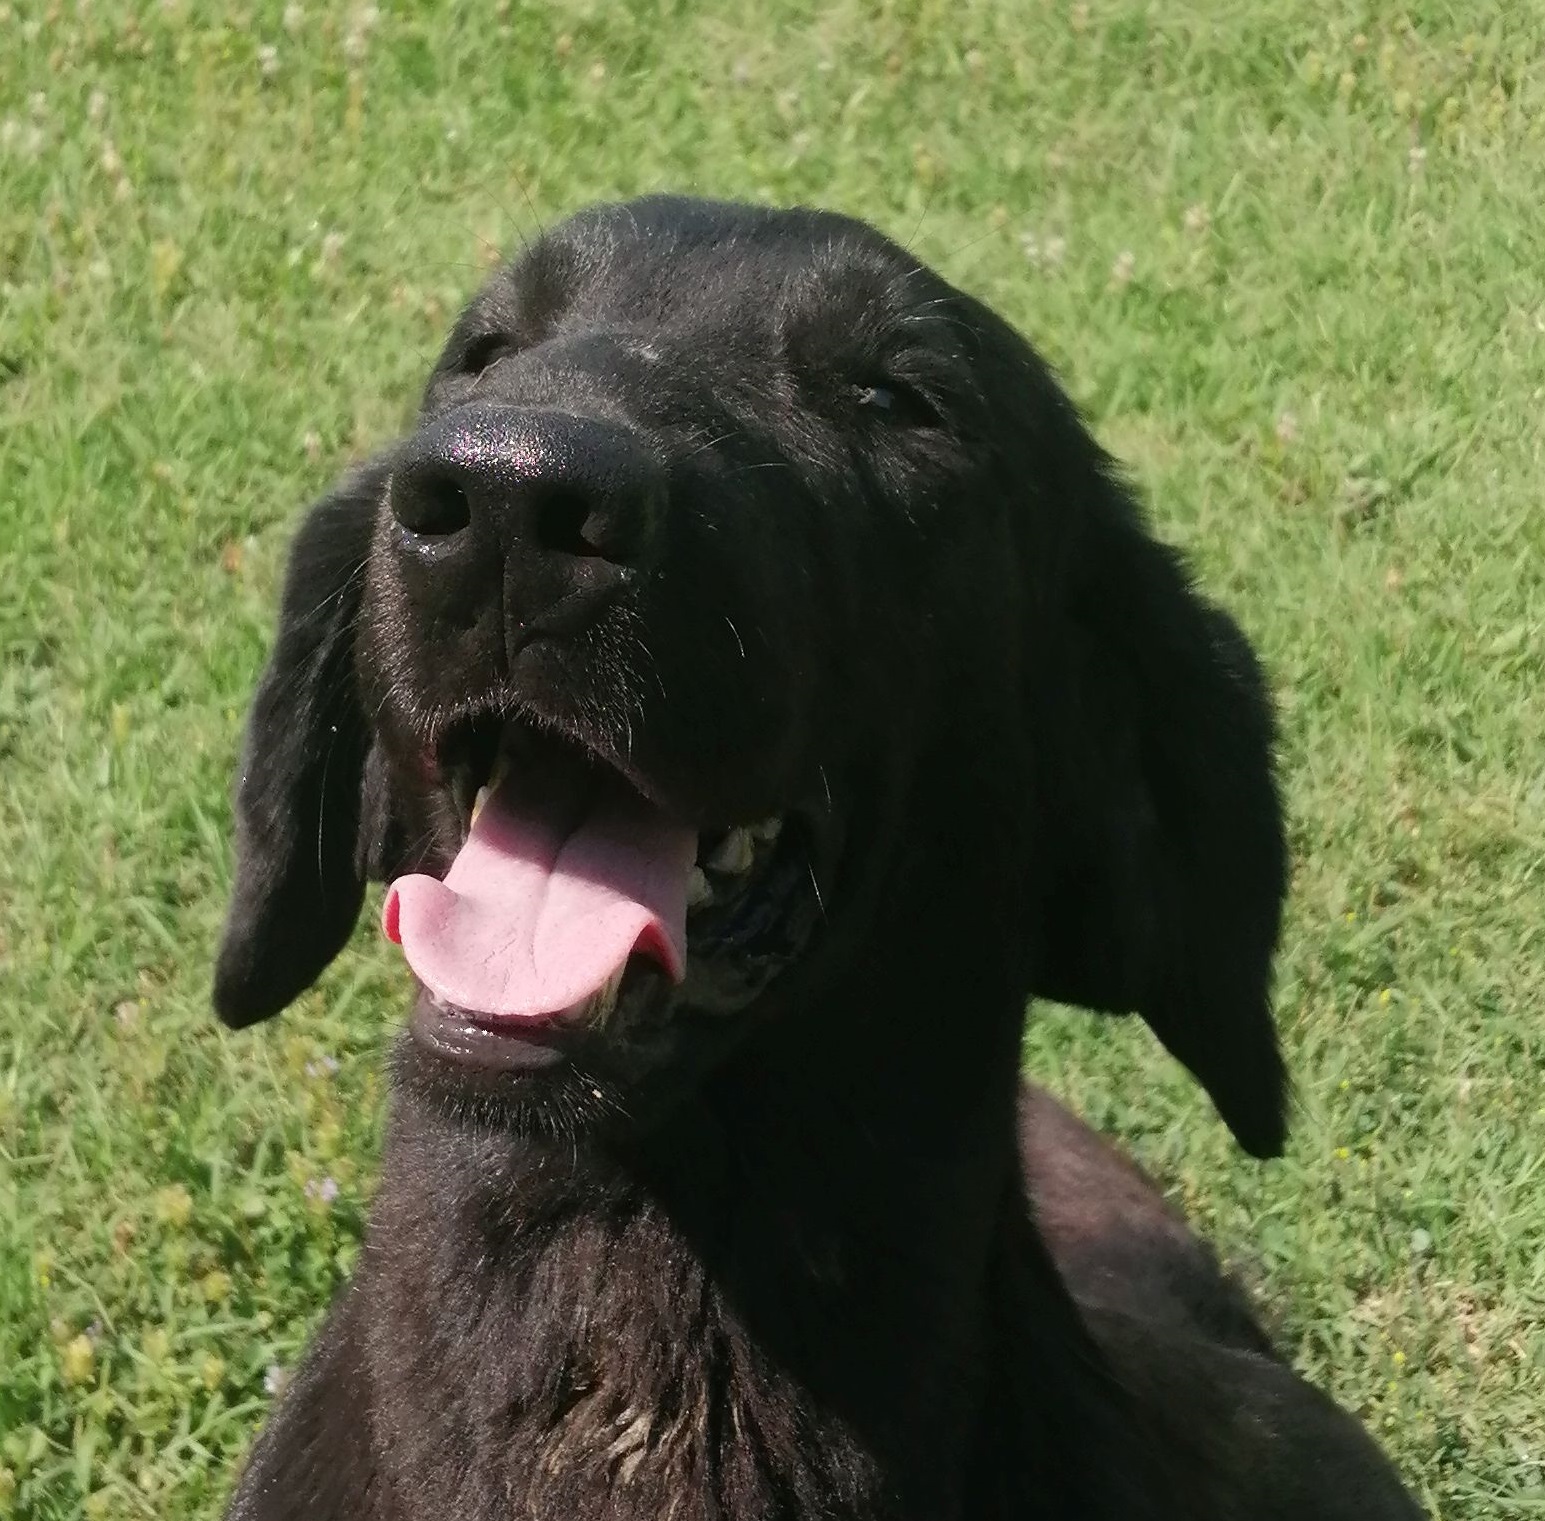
(897, 404)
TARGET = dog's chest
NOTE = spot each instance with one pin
(588, 1381)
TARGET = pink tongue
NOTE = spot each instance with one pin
(550, 895)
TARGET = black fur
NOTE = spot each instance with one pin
(764, 1248)
(301, 793)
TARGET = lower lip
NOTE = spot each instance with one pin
(456, 1036)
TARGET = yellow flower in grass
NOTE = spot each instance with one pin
(174, 1206)
(212, 1372)
(216, 1285)
(78, 1360)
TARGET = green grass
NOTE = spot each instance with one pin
(1288, 257)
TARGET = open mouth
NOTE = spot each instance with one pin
(574, 895)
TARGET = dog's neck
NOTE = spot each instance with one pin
(774, 1304)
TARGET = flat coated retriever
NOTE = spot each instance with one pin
(755, 685)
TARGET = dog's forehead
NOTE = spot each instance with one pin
(660, 261)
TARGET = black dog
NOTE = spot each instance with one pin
(796, 691)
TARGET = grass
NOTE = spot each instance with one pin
(1288, 259)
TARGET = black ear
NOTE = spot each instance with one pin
(300, 858)
(1158, 811)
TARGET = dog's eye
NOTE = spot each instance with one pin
(483, 352)
(899, 405)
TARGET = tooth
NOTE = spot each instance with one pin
(734, 853)
(699, 888)
(767, 831)
(501, 765)
(479, 800)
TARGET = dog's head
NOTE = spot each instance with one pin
(741, 582)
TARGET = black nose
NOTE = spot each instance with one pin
(560, 506)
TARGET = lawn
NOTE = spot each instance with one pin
(1288, 258)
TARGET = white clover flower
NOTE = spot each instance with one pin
(1045, 253)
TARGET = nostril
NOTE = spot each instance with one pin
(431, 503)
(568, 523)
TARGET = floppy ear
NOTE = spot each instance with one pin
(1158, 812)
(301, 856)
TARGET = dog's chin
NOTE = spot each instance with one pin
(563, 1080)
